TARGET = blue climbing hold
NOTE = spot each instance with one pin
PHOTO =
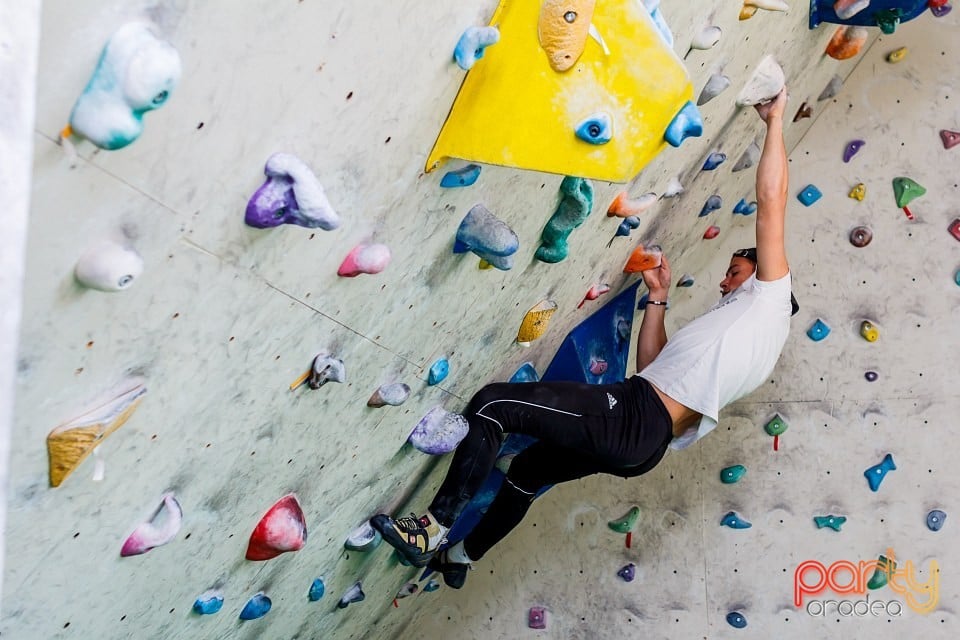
(935, 520)
(831, 522)
(628, 572)
(809, 195)
(488, 237)
(686, 124)
(526, 373)
(818, 330)
(729, 475)
(745, 208)
(472, 43)
(596, 129)
(432, 586)
(256, 607)
(735, 619)
(734, 521)
(317, 589)
(713, 203)
(878, 472)
(714, 160)
(686, 280)
(438, 371)
(463, 177)
(629, 224)
(211, 601)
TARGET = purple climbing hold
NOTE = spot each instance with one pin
(291, 195)
(878, 472)
(537, 618)
(628, 572)
(871, 376)
(852, 148)
(939, 11)
(439, 431)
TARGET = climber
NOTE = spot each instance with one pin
(625, 428)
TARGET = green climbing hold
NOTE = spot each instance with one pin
(832, 522)
(776, 426)
(888, 19)
(729, 475)
(576, 202)
(627, 521)
(906, 190)
(881, 574)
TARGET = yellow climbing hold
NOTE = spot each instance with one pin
(869, 331)
(897, 55)
(484, 264)
(514, 110)
(563, 29)
(535, 322)
(859, 192)
(70, 443)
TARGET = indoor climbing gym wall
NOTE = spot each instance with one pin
(270, 247)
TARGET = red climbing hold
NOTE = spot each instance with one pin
(950, 138)
(711, 232)
(629, 538)
(954, 228)
(282, 528)
(776, 443)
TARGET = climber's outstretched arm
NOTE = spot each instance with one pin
(772, 179)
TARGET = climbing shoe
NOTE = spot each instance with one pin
(411, 536)
(454, 573)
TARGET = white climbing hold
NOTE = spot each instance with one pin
(108, 267)
(673, 188)
(716, 85)
(765, 84)
(707, 39)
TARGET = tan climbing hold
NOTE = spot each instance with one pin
(747, 11)
(563, 29)
(70, 443)
(535, 323)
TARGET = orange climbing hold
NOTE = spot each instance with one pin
(563, 28)
(847, 42)
(643, 258)
(623, 206)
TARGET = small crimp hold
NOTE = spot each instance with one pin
(472, 43)
(598, 366)
(714, 160)
(906, 190)
(716, 85)
(711, 232)
(317, 589)
(256, 607)
(731, 475)
(805, 111)
(745, 208)
(871, 376)
(628, 572)
(208, 602)
(858, 193)
(881, 574)
(594, 292)
(734, 521)
(595, 129)
(852, 148)
(749, 157)
(673, 189)
(688, 123)
(537, 618)
(831, 522)
(629, 224)
(326, 368)
(939, 8)
(686, 280)
(846, 9)
(950, 139)
(707, 39)
(626, 522)
(439, 432)
(954, 228)
(439, 371)
(818, 330)
(407, 590)
(463, 177)
(869, 331)
(353, 594)
(431, 586)
(809, 195)
(736, 620)
(897, 55)
(776, 426)
(833, 88)
(935, 520)
(861, 236)
(713, 203)
(878, 472)
(389, 394)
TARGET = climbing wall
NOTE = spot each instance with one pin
(225, 317)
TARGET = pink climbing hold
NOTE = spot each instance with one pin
(365, 258)
(537, 618)
(711, 232)
(594, 292)
(949, 138)
(158, 530)
(598, 366)
(282, 528)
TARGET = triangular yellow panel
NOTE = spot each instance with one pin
(514, 110)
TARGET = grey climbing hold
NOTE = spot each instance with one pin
(833, 88)
(353, 594)
(935, 520)
(764, 85)
(686, 280)
(716, 85)
(326, 369)
(713, 203)
(749, 158)
(389, 394)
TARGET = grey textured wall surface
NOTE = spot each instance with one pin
(226, 316)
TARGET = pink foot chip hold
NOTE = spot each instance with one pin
(282, 528)
(161, 528)
(365, 258)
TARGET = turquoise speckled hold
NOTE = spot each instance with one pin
(776, 426)
(734, 521)
(439, 370)
(831, 522)
(317, 589)
(878, 472)
(818, 330)
(730, 475)
(809, 195)
(576, 203)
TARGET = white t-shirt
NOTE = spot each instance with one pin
(724, 354)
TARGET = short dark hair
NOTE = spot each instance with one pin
(751, 255)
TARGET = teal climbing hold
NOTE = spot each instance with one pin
(730, 475)
(831, 522)
(818, 330)
(463, 177)
(881, 575)
(317, 589)
(734, 521)
(688, 123)
(626, 522)
(439, 370)
(878, 472)
(809, 195)
(576, 202)
(776, 426)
